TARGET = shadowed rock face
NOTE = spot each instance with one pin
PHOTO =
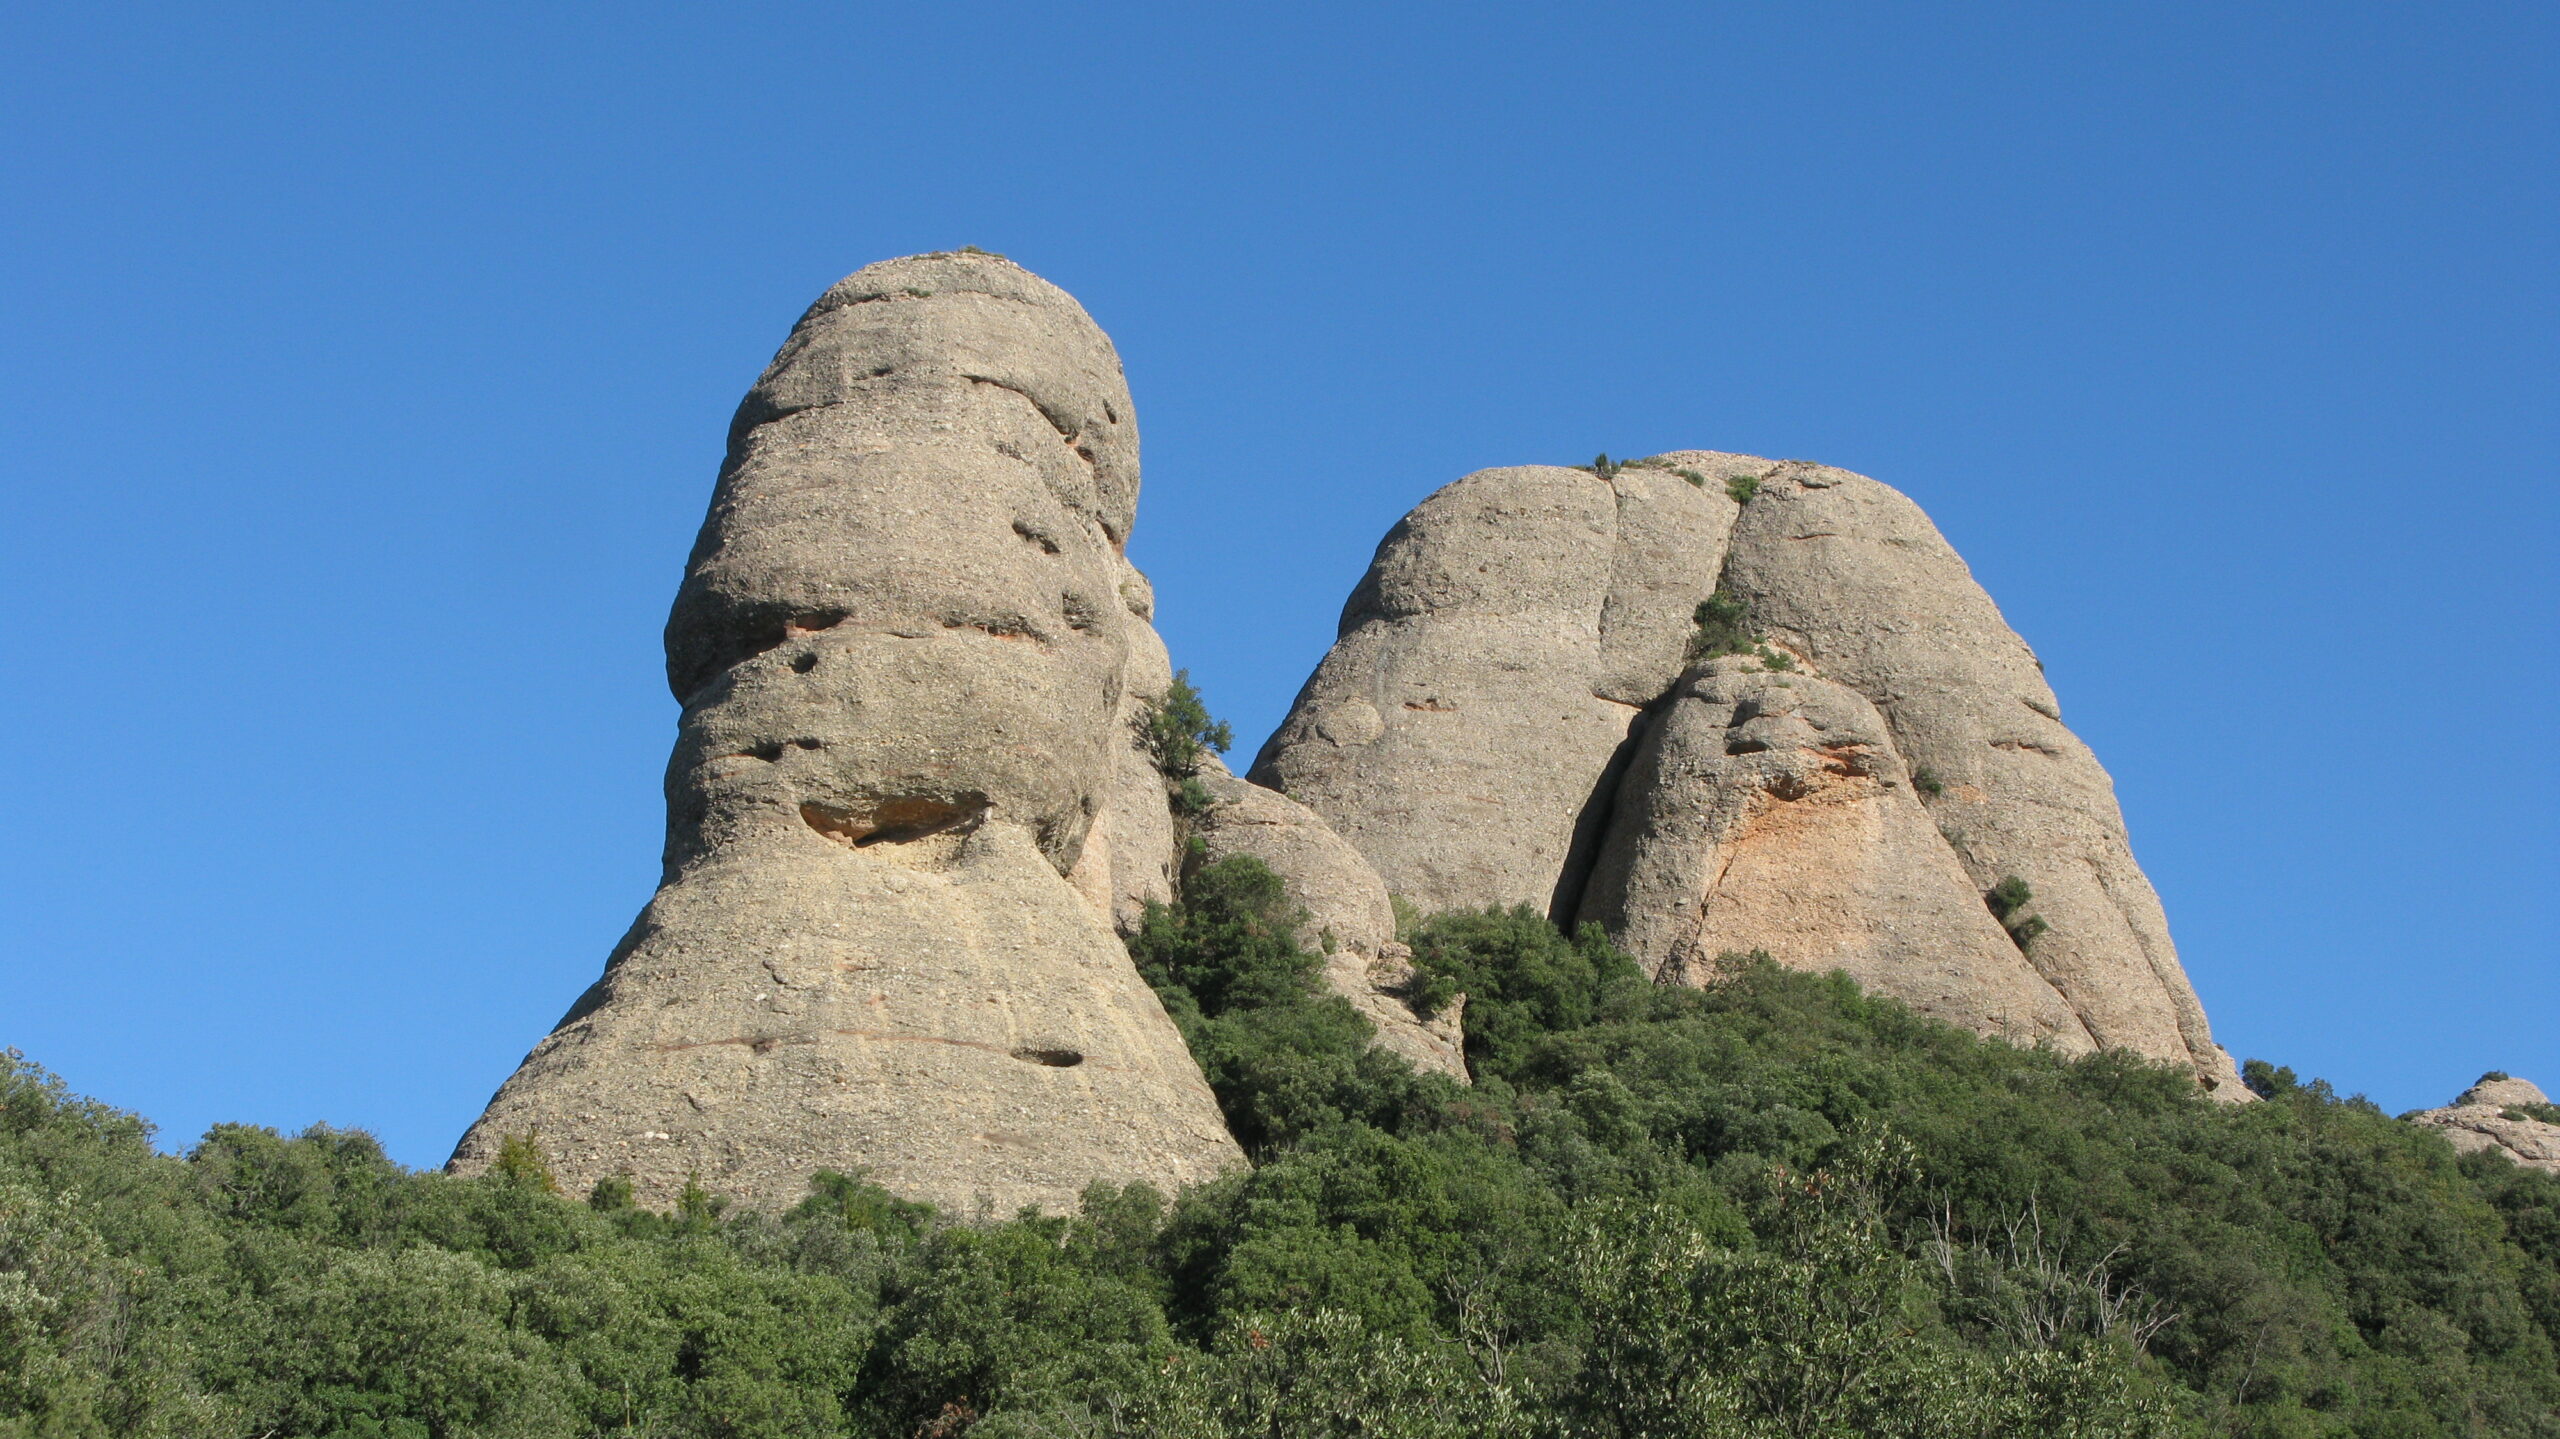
(1131, 854)
(904, 649)
(1490, 727)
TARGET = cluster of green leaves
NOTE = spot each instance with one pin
(1773, 1207)
(1724, 626)
(1178, 733)
(2008, 901)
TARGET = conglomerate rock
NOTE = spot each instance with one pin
(902, 645)
(1133, 851)
(1512, 627)
(2499, 1116)
(1499, 668)
(910, 813)
(1770, 812)
(1850, 574)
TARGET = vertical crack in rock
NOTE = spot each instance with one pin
(900, 721)
(1458, 729)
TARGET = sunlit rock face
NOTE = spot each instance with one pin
(1511, 716)
(905, 646)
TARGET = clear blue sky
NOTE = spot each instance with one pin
(365, 369)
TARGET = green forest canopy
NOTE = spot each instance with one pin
(1774, 1207)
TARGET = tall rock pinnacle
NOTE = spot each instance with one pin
(903, 645)
(1515, 714)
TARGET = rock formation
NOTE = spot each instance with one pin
(1349, 918)
(1512, 628)
(1715, 703)
(904, 650)
(2503, 1116)
(1510, 716)
(1138, 847)
(1132, 852)
(1850, 574)
(1771, 811)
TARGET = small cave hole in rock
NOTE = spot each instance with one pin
(808, 744)
(897, 821)
(1054, 1058)
(802, 664)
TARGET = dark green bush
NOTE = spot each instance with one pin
(1777, 1206)
(1178, 732)
(1724, 626)
(2008, 901)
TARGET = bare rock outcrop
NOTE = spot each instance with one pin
(2503, 1116)
(904, 648)
(1770, 811)
(1472, 732)
(1349, 919)
(1850, 574)
(1508, 633)
(1133, 851)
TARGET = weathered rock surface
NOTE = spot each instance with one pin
(1132, 853)
(1770, 811)
(1509, 631)
(1470, 731)
(1349, 919)
(904, 649)
(1850, 574)
(2486, 1118)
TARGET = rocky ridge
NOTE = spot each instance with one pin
(2504, 1116)
(912, 812)
(1515, 713)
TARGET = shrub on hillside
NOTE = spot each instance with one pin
(1776, 1206)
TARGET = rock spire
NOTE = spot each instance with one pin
(903, 645)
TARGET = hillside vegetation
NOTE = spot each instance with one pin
(1775, 1207)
